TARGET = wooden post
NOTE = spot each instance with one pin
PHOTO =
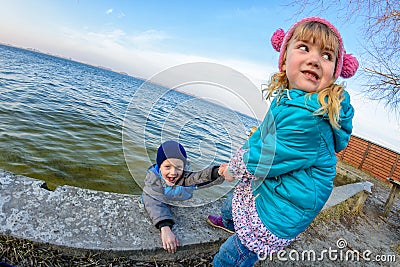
(364, 156)
(343, 152)
(394, 193)
(394, 165)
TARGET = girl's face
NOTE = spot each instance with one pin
(308, 66)
(171, 170)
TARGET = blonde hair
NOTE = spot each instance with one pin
(251, 131)
(329, 97)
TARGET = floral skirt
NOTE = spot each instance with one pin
(248, 226)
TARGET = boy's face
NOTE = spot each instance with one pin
(308, 67)
(171, 170)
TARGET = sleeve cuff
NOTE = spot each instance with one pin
(163, 223)
(214, 173)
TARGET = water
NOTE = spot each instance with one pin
(69, 123)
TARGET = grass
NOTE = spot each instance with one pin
(26, 253)
(396, 248)
(366, 176)
(336, 212)
(19, 252)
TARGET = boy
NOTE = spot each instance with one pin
(168, 181)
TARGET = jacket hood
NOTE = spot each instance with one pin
(310, 101)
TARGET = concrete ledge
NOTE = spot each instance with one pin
(81, 221)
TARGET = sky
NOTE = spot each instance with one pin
(145, 38)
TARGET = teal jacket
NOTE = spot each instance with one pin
(292, 155)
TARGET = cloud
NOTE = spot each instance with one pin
(148, 39)
(116, 35)
(140, 54)
(109, 11)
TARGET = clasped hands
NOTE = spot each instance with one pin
(223, 170)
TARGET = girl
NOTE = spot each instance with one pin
(286, 168)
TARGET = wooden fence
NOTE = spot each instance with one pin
(379, 161)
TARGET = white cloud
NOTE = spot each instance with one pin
(115, 35)
(109, 11)
(148, 39)
(134, 55)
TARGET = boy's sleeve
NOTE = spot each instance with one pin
(155, 204)
(206, 177)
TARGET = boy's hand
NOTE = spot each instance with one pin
(169, 240)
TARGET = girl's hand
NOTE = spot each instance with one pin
(169, 240)
(228, 177)
(224, 171)
(222, 168)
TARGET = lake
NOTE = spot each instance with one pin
(70, 123)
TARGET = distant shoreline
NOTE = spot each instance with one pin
(68, 58)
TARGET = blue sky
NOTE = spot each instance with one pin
(143, 38)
